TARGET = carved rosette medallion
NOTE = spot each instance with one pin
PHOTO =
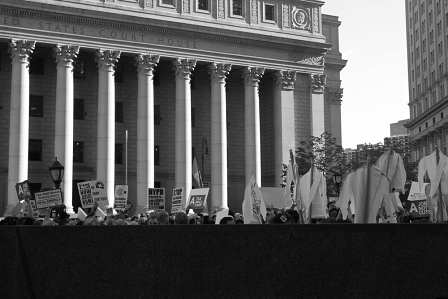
(221, 9)
(315, 19)
(146, 63)
(252, 75)
(303, 58)
(300, 17)
(285, 16)
(107, 59)
(317, 82)
(218, 72)
(254, 11)
(285, 79)
(186, 6)
(64, 55)
(21, 50)
(184, 67)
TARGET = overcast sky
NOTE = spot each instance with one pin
(372, 37)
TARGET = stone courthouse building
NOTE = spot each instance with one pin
(132, 90)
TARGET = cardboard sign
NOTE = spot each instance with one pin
(415, 193)
(128, 207)
(121, 197)
(177, 200)
(23, 190)
(418, 208)
(92, 191)
(198, 198)
(26, 207)
(156, 198)
(48, 198)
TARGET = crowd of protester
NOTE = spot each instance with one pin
(161, 217)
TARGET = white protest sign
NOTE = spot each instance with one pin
(198, 198)
(121, 197)
(177, 200)
(92, 191)
(415, 193)
(48, 198)
(25, 209)
(156, 198)
(220, 215)
(81, 214)
(23, 190)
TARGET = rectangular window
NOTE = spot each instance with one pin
(37, 64)
(269, 12)
(167, 3)
(156, 155)
(78, 112)
(118, 153)
(441, 115)
(37, 106)
(78, 152)
(237, 8)
(35, 150)
(119, 112)
(156, 115)
(203, 5)
(78, 69)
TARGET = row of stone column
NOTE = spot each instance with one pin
(106, 59)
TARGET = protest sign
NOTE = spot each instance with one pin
(415, 193)
(197, 199)
(128, 207)
(121, 197)
(177, 200)
(100, 213)
(156, 198)
(221, 214)
(92, 191)
(48, 198)
(26, 207)
(81, 214)
(418, 208)
(23, 190)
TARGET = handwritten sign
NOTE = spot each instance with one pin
(156, 198)
(198, 198)
(121, 197)
(26, 207)
(48, 198)
(177, 199)
(23, 190)
(92, 191)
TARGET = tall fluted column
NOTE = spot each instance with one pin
(145, 127)
(19, 117)
(105, 155)
(218, 73)
(335, 100)
(283, 120)
(63, 144)
(183, 159)
(252, 76)
(317, 86)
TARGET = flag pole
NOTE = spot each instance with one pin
(439, 189)
(366, 197)
(311, 185)
(126, 159)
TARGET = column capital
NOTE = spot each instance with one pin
(334, 95)
(184, 67)
(317, 82)
(252, 75)
(218, 72)
(146, 63)
(107, 59)
(285, 79)
(21, 50)
(64, 55)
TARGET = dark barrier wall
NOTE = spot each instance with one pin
(234, 261)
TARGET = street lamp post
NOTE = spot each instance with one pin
(337, 178)
(56, 172)
(204, 155)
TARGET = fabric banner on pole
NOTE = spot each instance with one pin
(254, 208)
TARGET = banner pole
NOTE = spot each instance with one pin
(439, 190)
(126, 158)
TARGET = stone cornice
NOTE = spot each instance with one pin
(248, 38)
(436, 108)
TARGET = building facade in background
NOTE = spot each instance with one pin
(399, 136)
(154, 83)
(427, 34)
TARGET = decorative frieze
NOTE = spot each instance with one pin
(252, 75)
(316, 19)
(146, 63)
(107, 59)
(317, 83)
(304, 58)
(21, 50)
(218, 72)
(184, 67)
(65, 55)
(285, 16)
(300, 17)
(285, 79)
(186, 6)
(221, 9)
(147, 3)
(254, 11)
